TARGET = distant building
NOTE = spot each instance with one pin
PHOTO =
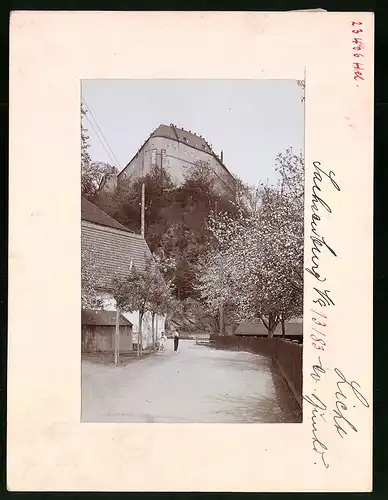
(293, 330)
(115, 249)
(175, 150)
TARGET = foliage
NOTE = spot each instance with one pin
(243, 249)
(92, 173)
(90, 281)
(93, 176)
(302, 84)
(85, 156)
(256, 270)
(176, 228)
(142, 290)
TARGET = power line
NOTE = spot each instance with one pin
(99, 128)
(102, 144)
(115, 160)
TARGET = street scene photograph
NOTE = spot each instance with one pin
(192, 248)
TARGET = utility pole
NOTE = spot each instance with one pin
(117, 335)
(221, 318)
(142, 209)
(138, 336)
(156, 330)
(117, 329)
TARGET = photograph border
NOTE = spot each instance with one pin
(68, 457)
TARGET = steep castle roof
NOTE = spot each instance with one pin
(185, 136)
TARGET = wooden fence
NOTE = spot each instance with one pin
(287, 355)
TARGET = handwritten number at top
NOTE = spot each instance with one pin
(358, 43)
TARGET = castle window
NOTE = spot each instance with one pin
(153, 157)
(185, 139)
(163, 157)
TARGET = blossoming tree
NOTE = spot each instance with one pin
(257, 266)
(143, 291)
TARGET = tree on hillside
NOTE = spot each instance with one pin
(125, 204)
(92, 172)
(199, 192)
(188, 236)
(93, 176)
(175, 218)
(176, 226)
(85, 156)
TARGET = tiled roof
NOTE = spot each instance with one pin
(181, 135)
(102, 318)
(91, 213)
(292, 328)
(113, 250)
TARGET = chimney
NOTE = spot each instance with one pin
(222, 156)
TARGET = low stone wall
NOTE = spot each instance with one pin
(287, 355)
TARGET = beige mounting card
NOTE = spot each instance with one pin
(48, 448)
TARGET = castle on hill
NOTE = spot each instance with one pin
(174, 149)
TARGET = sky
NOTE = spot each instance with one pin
(250, 120)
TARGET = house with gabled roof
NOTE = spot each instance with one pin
(115, 250)
(98, 332)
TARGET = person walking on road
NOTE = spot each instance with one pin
(176, 340)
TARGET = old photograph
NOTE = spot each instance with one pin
(192, 248)
(195, 232)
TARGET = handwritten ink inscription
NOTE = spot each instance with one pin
(317, 205)
(340, 419)
(345, 393)
(319, 244)
(358, 47)
(318, 342)
(319, 409)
